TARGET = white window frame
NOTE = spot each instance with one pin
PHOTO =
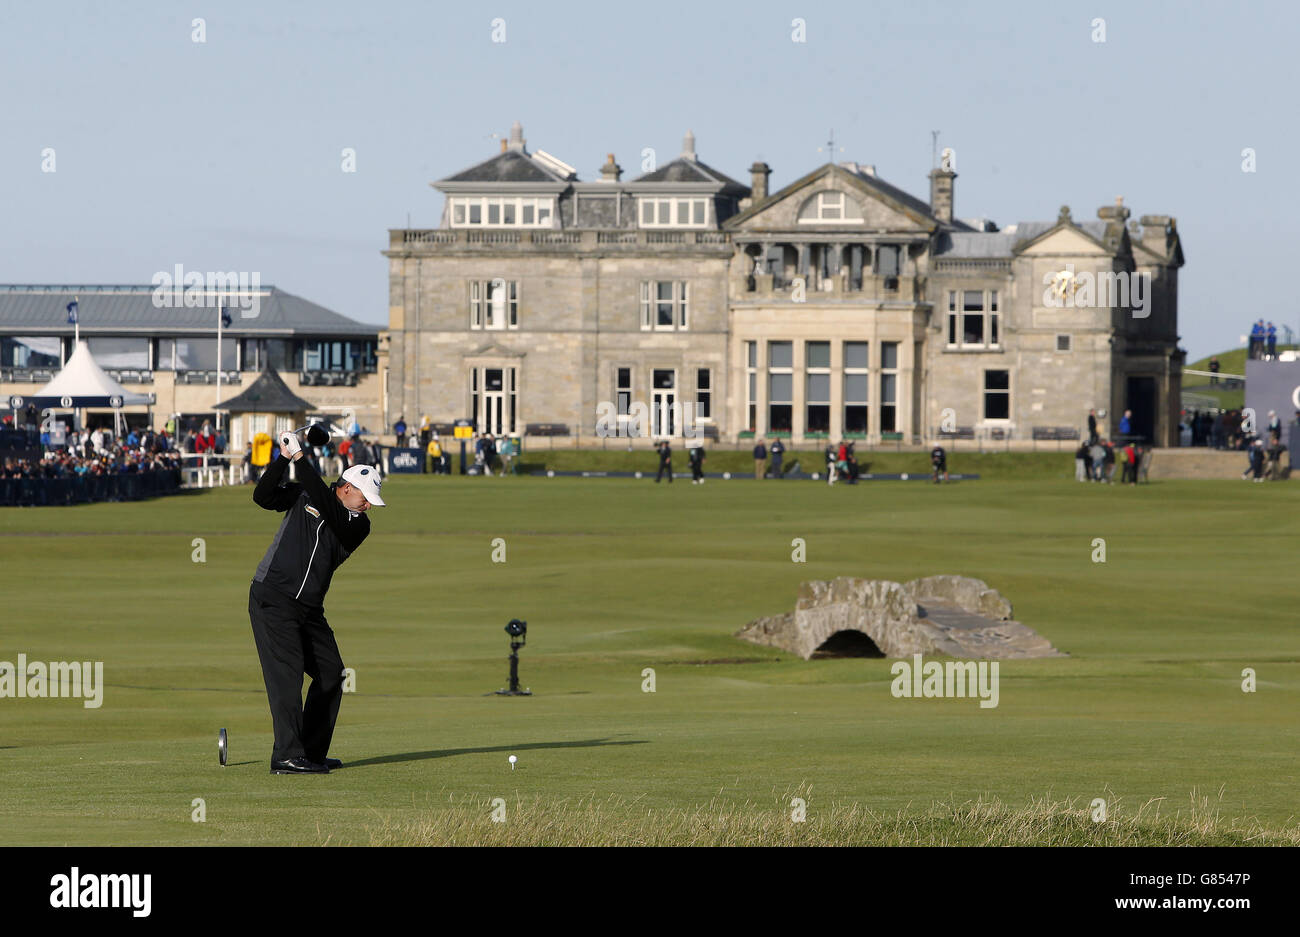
(832, 207)
(480, 317)
(992, 321)
(680, 301)
(459, 211)
(673, 211)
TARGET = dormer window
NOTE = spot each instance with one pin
(475, 211)
(830, 208)
(674, 212)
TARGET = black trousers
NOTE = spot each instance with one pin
(665, 468)
(294, 639)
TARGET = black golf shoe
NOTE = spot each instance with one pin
(299, 765)
(333, 764)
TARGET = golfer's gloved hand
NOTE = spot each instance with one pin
(289, 445)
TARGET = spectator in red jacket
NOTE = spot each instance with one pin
(1130, 465)
(205, 442)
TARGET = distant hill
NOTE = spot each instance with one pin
(1233, 362)
(1198, 392)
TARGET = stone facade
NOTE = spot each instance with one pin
(837, 306)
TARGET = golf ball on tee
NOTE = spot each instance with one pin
(513, 759)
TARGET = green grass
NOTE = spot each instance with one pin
(1009, 466)
(1231, 362)
(615, 576)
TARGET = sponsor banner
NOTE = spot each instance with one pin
(405, 460)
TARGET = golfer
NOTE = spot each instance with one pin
(322, 526)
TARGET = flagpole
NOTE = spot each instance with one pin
(78, 413)
(221, 312)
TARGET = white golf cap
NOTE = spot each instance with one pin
(366, 480)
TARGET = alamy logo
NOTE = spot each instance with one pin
(195, 290)
(673, 419)
(956, 679)
(38, 680)
(1108, 288)
(76, 890)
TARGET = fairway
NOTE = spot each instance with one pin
(614, 576)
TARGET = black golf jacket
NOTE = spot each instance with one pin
(317, 534)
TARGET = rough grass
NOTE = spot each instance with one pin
(619, 821)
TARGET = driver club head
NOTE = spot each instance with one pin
(317, 435)
(222, 747)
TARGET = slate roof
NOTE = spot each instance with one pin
(894, 192)
(683, 169)
(42, 310)
(976, 244)
(267, 394)
(510, 166)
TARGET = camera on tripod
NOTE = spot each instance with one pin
(518, 631)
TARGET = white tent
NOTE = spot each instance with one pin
(80, 384)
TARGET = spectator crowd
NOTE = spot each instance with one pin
(98, 453)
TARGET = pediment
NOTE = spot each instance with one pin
(1066, 240)
(879, 206)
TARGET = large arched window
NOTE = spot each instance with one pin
(830, 208)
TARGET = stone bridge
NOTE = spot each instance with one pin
(848, 617)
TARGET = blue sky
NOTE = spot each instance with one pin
(225, 155)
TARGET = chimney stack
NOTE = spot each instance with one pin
(688, 146)
(1157, 232)
(611, 171)
(941, 193)
(516, 137)
(758, 174)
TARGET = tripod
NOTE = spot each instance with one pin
(518, 632)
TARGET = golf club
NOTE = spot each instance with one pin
(222, 747)
(317, 434)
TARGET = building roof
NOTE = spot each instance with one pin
(892, 191)
(977, 244)
(41, 310)
(685, 170)
(509, 166)
(513, 165)
(854, 175)
(267, 394)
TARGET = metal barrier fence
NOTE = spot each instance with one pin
(83, 489)
(211, 470)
